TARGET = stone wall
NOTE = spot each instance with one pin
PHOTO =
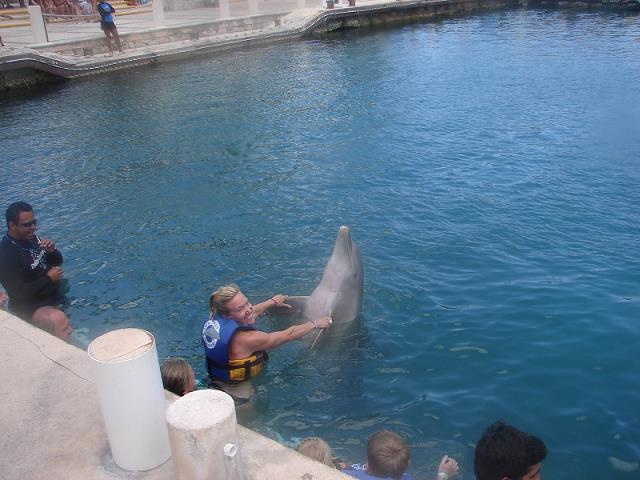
(403, 12)
(178, 5)
(24, 78)
(158, 36)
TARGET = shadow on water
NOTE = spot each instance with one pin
(42, 86)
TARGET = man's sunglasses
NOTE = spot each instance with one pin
(29, 224)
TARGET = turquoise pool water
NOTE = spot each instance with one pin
(488, 167)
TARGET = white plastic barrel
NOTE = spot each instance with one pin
(132, 399)
(204, 438)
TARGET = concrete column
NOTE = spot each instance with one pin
(253, 7)
(225, 11)
(131, 395)
(38, 27)
(158, 13)
(204, 438)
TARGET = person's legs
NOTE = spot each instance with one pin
(107, 33)
(114, 32)
(52, 320)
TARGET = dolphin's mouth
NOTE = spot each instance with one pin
(345, 239)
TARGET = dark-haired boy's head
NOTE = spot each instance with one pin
(387, 455)
(504, 452)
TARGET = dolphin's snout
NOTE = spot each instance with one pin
(343, 241)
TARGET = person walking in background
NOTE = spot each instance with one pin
(504, 452)
(31, 274)
(108, 24)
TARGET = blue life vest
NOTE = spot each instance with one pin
(217, 333)
(358, 470)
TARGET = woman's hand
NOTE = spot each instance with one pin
(280, 300)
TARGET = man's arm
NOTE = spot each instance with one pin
(53, 256)
(245, 343)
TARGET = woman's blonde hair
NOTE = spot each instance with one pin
(317, 449)
(220, 297)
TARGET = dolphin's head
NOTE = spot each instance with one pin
(345, 262)
(340, 290)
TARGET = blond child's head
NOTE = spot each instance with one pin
(317, 449)
(387, 455)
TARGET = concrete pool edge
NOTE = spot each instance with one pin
(53, 428)
(23, 67)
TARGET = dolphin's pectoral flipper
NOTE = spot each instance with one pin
(297, 306)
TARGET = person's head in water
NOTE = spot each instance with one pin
(317, 449)
(505, 453)
(387, 455)
(231, 302)
(178, 376)
(21, 222)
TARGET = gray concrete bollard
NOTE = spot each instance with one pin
(132, 399)
(38, 27)
(225, 11)
(157, 9)
(253, 7)
(204, 438)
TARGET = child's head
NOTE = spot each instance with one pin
(387, 455)
(178, 376)
(317, 449)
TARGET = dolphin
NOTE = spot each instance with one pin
(339, 292)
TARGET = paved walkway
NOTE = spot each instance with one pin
(52, 428)
(57, 32)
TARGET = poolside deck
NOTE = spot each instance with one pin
(52, 426)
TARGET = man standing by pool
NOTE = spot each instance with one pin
(235, 350)
(108, 24)
(31, 274)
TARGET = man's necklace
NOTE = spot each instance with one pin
(37, 253)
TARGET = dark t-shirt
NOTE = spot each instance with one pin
(23, 274)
